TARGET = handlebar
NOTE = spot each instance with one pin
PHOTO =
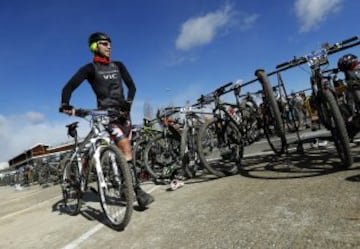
(221, 90)
(340, 44)
(329, 49)
(332, 70)
(91, 112)
(205, 99)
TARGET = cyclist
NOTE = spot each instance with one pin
(106, 78)
(349, 65)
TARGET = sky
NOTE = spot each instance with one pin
(175, 50)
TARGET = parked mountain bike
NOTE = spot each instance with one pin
(193, 119)
(97, 155)
(247, 115)
(143, 136)
(49, 172)
(326, 102)
(220, 144)
(162, 157)
(273, 126)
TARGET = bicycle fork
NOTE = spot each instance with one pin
(98, 168)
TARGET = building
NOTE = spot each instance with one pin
(38, 152)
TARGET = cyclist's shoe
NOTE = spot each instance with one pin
(175, 184)
(144, 199)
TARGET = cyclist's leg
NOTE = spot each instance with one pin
(125, 146)
(121, 133)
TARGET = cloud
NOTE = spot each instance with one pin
(35, 117)
(202, 30)
(311, 13)
(20, 132)
(4, 165)
(248, 21)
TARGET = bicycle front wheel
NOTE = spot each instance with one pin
(70, 186)
(220, 148)
(43, 175)
(115, 187)
(274, 129)
(335, 123)
(162, 156)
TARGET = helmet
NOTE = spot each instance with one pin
(98, 36)
(347, 62)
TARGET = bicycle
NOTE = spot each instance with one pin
(162, 153)
(273, 126)
(112, 173)
(142, 137)
(326, 101)
(192, 120)
(247, 116)
(49, 171)
(220, 142)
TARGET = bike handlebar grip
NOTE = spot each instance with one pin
(224, 86)
(354, 38)
(282, 65)
(205, 99)
(221, 89)
(65, 107)
(81, 112)
(227, 84)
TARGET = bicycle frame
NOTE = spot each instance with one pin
(90, 148)
(113, 175)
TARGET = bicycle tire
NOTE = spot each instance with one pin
(138, 155)
(137, 159)
(162, 156)
(276, 141)
(220, 151)
(185, 153)
(337, 127)
(117, 197)
(70, 186)
(43, 175)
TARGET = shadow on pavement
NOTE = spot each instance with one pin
(312, 163)
(354, 178)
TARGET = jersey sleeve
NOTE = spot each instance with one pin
(82, 74)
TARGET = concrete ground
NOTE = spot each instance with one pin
(295, 201)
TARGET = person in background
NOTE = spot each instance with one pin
(298, 105)
(107, 78)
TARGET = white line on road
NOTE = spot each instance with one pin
(29, 208)
(75, 243)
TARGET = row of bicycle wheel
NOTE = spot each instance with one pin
(211, 141)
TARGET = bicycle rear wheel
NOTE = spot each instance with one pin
(70, 186)
(188, 153)
(43, 174)
(335, 123)
(116, 188)
(220, 148)
(162, 156)
(273, 125)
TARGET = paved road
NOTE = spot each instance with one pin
(299, 201)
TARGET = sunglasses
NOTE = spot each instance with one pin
(105, 43)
